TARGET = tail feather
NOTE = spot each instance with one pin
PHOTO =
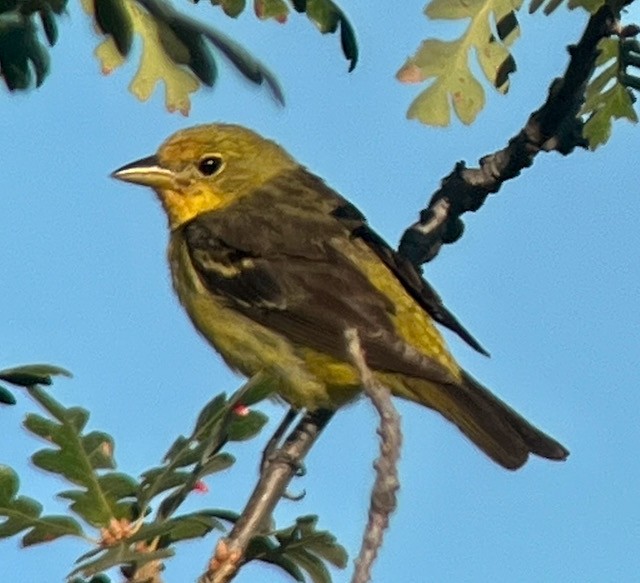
(504, 435)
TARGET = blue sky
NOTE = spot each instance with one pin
(546, 277)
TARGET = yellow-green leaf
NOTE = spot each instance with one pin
(231, 8)
(615, 103)
(455, 86)
(431, 107)
(453, 9)
(467, 96)
(274, 9)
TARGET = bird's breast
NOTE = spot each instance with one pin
(245, 345)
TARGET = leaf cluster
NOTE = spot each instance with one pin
(609, 95)
(24, 58)
(27, 376)
(491, 31)
(492, 28)
(136, 518)
(325, 14)
(175, 49)
(300, 550)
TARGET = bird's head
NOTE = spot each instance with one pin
(206, 168)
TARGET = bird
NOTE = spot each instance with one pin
(273, 267)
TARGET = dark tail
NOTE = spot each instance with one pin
(504, 435)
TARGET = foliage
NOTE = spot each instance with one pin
(447, 62)
(300, 549)
(490, 33)
(325, 14)
(179, 51)
(609, 96)
(21, 52)
(176, 49)
(135, 518)
(551, 5)
(27, 376)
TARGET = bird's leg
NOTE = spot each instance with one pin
(273, 445)
(273, 452)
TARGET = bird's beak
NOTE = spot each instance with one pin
(147, 172)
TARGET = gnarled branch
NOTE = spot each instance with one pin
(555, 126)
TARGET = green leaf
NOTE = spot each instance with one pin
(271, 9)
(6, 396)
(324, 15)
(551, 5)
(608, 97)
(210, 414)
(314, 567)
(113, 19)
(119, 488)
(453, 9)
(78, 458)
(49, 25)
(218, 463)
(223, 514)
(262, 546)
(323, 543)
(187, 526)
(217, 423)
(117, 555)
(349, 43)
(21, 52)
(32, 374)
(590, 6)
(446, 63)
(176, 50)
(327, 16)
(629, 57)
(614, 103)
(21, 514)
(243, 428)
(231, 8)
(200, 60)
(255, 390)
(299, 548)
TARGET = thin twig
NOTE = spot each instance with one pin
(386, 485)
(273, 482)
(555, 126)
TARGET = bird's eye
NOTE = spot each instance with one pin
(210, 164)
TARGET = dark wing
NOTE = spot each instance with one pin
(282, 230)
(311, 296)
(407, 274)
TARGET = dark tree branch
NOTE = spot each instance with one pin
(271, 487)
(383, 495)
(555, 126)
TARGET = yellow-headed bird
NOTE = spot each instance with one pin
(273, 266)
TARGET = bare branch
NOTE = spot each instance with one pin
(274, 479)
(555, 126)
(386, 485)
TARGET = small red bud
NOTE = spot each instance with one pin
(201, 487)
(241, 410)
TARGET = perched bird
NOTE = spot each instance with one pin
(273, 267)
